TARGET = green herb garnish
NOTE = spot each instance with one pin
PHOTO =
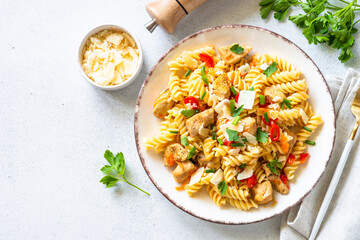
(222, 186)
(232, 89)
(307, 129)
(270, 69)
(236, 144)
(191, 153)
(187, 73)
(210, 171)
(266, 117)
(242, 165)
(220, 142)
(203, 95)
(310, 142)
(236, 48)
(233, 135)
(213, 136)
(232, 106)
(236, 120)
(251, 88)
(115, 172)
(203, 76)
(238, 111)
(287, 104)
(261, 136)
(262, 99)
(188, 112)
(175, 132)
(184, 141)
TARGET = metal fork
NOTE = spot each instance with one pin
(355, 109)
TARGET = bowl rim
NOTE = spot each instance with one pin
(96, 30)
(136, 133)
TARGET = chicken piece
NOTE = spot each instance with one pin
(183, 170)
(249, 125)
(221, 87)
(204, 119)
(267, 170)
(214, 163)
(162, 104)
(262, 192)
(230, 57)
(278, 184)
(174, 152)
(273, 95)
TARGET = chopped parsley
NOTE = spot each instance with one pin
(233, 135)
(236, 48)
(222, 186)
(184, 141)
(261, 136)
(270, 69)
(189, 112)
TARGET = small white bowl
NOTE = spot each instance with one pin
(81, 52)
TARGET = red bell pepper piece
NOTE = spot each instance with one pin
(284, 179)
(206, 59)
(304, 157)
(291, 158)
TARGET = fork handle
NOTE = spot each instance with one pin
(331, 189)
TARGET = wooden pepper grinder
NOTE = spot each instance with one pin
(168, 13)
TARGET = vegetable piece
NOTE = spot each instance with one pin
(236, 144)
(236, 48)
(271, 69)
(236, 120)
(284, 179)
(184, 141)
(287, 104)
(222, 186)
(251, 88)
(206, 59)
(233, 135)
(187, 73)
(307, 129)
(191, 152)
(242, 165)
(213, 136)
(232, 106)
(189, 112)
(220, 142)
(233, 91)
(172, 131)
(237, 97)
(262, 100)
(261, 136)
(291, 158)
(274, 132)
(203, 76)
(238, 111)
(284, 144)
(210, 170)
(117, 165)
(310, 142)
(252, 181)
(203, 95)
(192, 101)
(266, 117)
(272, 168)
(304, 157)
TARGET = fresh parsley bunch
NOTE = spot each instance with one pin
(322, 21)
(115, 172)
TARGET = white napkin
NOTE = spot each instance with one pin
(342, 220)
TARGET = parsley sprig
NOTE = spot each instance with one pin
(336, 26)
(273, 164)
(115, 172)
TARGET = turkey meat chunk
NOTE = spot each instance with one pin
(221, 87)
(183, 170)
(230, 57)
(262, 192)
(162, 104)
(199, 120)
(174, 152)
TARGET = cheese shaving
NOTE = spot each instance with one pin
(196, 177)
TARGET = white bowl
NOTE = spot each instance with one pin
(308, 174)
(81, 52)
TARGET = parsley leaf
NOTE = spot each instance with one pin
(236, 48)
(272, 168)
(252, 88)
(222, 186)
(270, 69)
(261, 136)
(188, 112)
(242, 165)
(273, 164)
(287, 103)
(115, 171)
(233, 135)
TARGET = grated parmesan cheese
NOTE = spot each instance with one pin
(110, 57)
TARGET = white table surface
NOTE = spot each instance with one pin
(55, 127)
